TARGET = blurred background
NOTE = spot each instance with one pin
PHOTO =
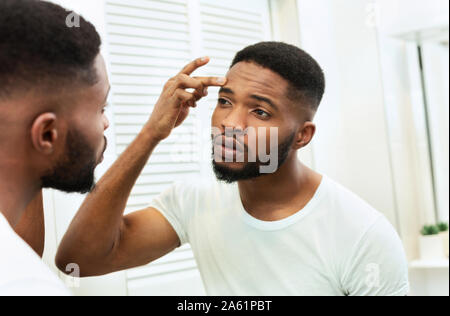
(383, 127)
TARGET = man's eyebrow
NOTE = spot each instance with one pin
(253, 96)
(226, 90)
(264, 99)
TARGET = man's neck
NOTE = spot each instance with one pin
(276, 196)
(17, 190)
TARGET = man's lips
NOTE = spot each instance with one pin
(104, 150)
(229, 144)
(106, 144)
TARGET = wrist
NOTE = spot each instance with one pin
(150, 134)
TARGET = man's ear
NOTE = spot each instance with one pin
(44, 133)
(305, 135)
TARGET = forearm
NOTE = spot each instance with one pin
(93, 240)
(94, 232)
(31, 227)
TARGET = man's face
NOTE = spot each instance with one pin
(254, 98)
(85, 142)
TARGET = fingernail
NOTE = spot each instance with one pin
(205, 92)
(203, 59)
(221, 80)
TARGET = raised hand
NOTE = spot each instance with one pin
(174, 103)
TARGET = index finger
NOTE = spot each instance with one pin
(194, 65)
(212, 81)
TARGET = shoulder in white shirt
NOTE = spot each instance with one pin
(336, 245)
(22, 272)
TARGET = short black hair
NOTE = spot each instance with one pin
(39, 50)
(303, 73)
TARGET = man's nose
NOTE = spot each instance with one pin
(235, 120)
(105, 122)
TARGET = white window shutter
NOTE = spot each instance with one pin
(149, 41)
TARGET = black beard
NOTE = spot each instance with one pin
(251, 170)
(74, 173)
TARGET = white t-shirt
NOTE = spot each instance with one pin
(337, 245)
(22, 272)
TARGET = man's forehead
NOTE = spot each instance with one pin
(250, 76)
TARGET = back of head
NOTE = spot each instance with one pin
(52, 85)
(39, 51)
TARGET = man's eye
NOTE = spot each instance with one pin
(262, 113)
(105, 108)
(223, 101)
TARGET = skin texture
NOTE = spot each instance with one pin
(31, 226)
(33, 136)
(102, 240)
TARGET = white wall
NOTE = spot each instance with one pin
(436, 73)
(400, 32)
(372, 120)
(403, 25)
(286, 28)
(403, 17)
(351, 144)
(409, 150)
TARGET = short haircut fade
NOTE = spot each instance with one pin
(303, 73)
(38, 49)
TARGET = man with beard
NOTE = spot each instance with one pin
(270, 225)
(53, 89)
(53, 94)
